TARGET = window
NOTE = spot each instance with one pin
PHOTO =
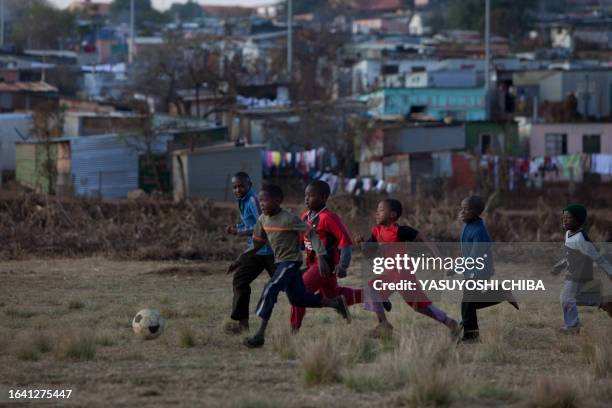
(591, 144)
(390, 69)
(555, 144)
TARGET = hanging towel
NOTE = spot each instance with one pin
(535, 164)
(601, 164)
(276, 158)
(571, 167)
(350, 185)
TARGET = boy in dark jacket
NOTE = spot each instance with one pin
(475, 243)
(252, 267)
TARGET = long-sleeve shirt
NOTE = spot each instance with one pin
(283, 231)
(333, 234)
(476, 243)
(580, 254)
(249, 213)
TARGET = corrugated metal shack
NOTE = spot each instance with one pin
(108, 166)
(105, 166)
(206, 172)
(416, 158)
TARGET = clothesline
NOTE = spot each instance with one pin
(303, 161)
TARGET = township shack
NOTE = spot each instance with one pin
(206, 172)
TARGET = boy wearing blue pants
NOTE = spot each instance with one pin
(283, 231)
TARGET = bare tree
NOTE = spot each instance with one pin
(194, 64)
(48, 124)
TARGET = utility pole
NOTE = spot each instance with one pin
(131, 45)
(487, 61)
(587, 97)
(2, 23)
(290, 40)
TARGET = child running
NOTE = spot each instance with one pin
(387, 230)
(252, 266)
(475, 243)
(338, 246)
(580, 254)
(282, 230)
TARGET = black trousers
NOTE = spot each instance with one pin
(248, 271)
(470, 304)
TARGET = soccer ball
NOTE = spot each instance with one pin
(148, 324)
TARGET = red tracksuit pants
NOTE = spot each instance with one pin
(327, 287)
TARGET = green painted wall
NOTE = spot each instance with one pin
(473, 130)
(30, 166)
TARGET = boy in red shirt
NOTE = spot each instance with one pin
(388, 231)
(338, 244)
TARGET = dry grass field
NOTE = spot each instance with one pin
(66, 323)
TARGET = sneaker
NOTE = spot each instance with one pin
(384, 330)
(342, 308)
(387, 305)
(235, 328)
(254, 341)
(470, 337)
(606, 307)
(455, 328)
(572, 331)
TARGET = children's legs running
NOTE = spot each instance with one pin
(433, 312)
(250, 269)
(296, 290)
(313, 282)
(568, 303)
(277, 283)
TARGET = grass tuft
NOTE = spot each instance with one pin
(76, 345)
(19, 313)
(321, 361)
(283, 344)
(488, 391)
(186, 338)
(30, 346)
(255, 403)
(76, 304)
(548, 393)
(106, 339)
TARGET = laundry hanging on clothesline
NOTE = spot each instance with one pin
(304, 161)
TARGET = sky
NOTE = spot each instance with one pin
(164, 4)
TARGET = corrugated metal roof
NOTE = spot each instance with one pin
(222, 147)
(424, 139)
(107, 166)
(27, 87)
